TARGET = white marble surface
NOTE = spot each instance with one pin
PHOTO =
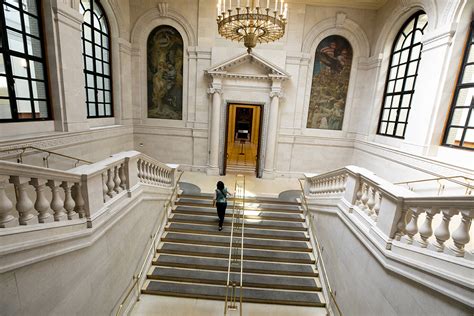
(176, 306)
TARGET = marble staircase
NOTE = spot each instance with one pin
(279, 267)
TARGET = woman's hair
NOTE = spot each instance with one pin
(220, 185)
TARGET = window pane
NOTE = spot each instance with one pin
(36, 70)
(100, 83)
(383, 128)
(2, 65)
(409, 83)
(39, 90)
(465, 97)
(98, 66)
(19, 66)
(108, 99)
(401, 71)
(3, 87)
(12, 18)
(468, 76)
(406, 101)
(106, 84)
(108, 109)
(404, 56)
(15, 41)
(90, 81)
(92, 111)
(412, 68)
(403, 115)
(415, 53)
(41, 109)
(470, 59)
(393, 115)
(22, 89)
(34, 46)
(89, 64)
(398, 85)
(31, 25)
(87, 32)
(460, 116)
(24, 107)
(400, 130)
(14, 3)
(5, 110)
(98, 52)
(105, 54)
(469, 138)
(88, 47)
(91, 95)
(101, 109)
(105, 41)
(390, 128)
(454, 136)
(395, 101)
(31, 6)
(471, 119)
(106, 69)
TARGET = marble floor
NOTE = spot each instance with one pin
(253, 186)
(175, 306)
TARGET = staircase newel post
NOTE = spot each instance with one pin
(350, 187)
(388, 216)
(131, 172)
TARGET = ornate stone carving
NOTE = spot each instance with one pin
(340, 19)
(162, 8)
(213, 90)
(277, 94)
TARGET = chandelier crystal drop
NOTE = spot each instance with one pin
(252, 23)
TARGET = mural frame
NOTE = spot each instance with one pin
(162, 72)
(332, 63)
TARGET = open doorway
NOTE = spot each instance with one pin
(243, 139)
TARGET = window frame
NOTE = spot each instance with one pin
(403, 92)
(7, 60)
(459, 85)
(96, 75)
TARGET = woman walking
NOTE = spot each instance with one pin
(220, 201)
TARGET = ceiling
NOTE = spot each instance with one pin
(362, 4)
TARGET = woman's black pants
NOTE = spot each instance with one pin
(221, 212)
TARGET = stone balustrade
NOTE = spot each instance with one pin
(438, 224)
(34, 195)
(416, 225)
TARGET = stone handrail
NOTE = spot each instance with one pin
(395, 211)
(80, 193)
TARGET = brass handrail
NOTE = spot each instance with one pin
(318, 250)
(24, 148)
(466, 183)
(235, 218)
(136, 278)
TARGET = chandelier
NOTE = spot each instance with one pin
(252, 23)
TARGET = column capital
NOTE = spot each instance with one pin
(277, 94)
(213, 90)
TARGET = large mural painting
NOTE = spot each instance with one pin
(332, 69)
(165, 73)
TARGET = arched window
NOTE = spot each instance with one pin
(96, 53)
(330, 81)
(165, 73)
(401, 78)
(23, 80)
(460, 128)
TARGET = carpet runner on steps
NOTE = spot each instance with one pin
(278, 268)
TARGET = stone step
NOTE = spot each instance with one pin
(224, 240)
(223, 253)
(248, 280)
(250, 295)
(255, 267)
(249, 232)
(249, 223)
(247, 214)
(248, 207)
(208, 196)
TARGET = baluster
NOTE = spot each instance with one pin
(140, 171)
(117, 180)
(370, 201)
(315, 186)
(156, 174)
(6, 205)
(401, 225)
(426, 230)
(145, 172)
(442, 232)
(123, 177)
(105, 189)
(359, 194)
(344, 181)
(110, 182)
(78, 199)
(41, 203)
(365, 197)
(24, 205)
(69, 203)
(412, 226)
(57, 203)
(461, 234)
(169, 175)
(378, 201)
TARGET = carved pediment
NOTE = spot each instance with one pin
(248, 66)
